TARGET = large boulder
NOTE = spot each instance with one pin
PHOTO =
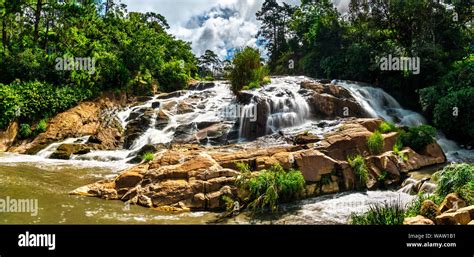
(454, 218)
(451, 201)
(8, 136)
(65, 151)
(313, 164)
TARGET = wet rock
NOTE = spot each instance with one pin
(156, 105)
(185, 133)
(162, 120)
(171, 95)
(418, 220)
(138, 127)
(64, 151)
(202, 86)
(306, 138)
(138, 155)
(184, 108)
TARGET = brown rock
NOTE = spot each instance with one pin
(313, 164)
(8, 136)
(306, 138)
(418, 220)
(434, 150)
(429, 209)
(330, 188)
(451, 201)
(454, 218)
(469, 209)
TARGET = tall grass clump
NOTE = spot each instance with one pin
(375, 143)
(380, 214)
(357, 163)
(268, 188)
(387, 127)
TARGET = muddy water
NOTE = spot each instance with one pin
(50, 183)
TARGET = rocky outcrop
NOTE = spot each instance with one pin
(8, 136)
(196, 177)
(90, 118)
(330, 101)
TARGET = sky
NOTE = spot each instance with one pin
(218, 25)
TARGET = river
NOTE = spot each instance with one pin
(50, 181)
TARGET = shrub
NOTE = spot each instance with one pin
(24, 131)
(41, 126)
(387, 127)
(9, 103)
(414, 207)
(357, 163)
(248, 71)
(418, 137)
(173, 77)
(397, 149)
(269, 188)
(456, 178)
(380, 214)
(375, 143)
(148, 157)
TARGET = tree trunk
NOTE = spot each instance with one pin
(39, 5)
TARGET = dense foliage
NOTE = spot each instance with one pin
(375, 143)
(314, 39)
(129, 52)
(456, 178)
(269, 188)
(357, 163)
(380, 214)
(248, 71)
(418, 137)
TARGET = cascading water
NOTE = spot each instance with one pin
(281, 106)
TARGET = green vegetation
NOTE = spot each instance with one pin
(41, 126)
(375, 143)
(315, 40)
(383, 176)
(248, 71)
(449, 102)
(414, 207)
(397, 149)
(418, 137)
(132, 52)
(387, 127)
(456, 178)
(357, 163)
(268, 188)
(380, 214)
(24, 131)
(148, 157)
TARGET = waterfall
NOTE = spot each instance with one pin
(281, 106)
(379, 104)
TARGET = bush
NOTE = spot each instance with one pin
(269, 188)
(375, 143)
(173, 77)
(248, 71)
(456, 178)
(9, 104)
(41, 126)
(380, 214)
(148, 157)
(357, 163)
(414, 207)
(387, 127)
(24, 131)
(418, 137)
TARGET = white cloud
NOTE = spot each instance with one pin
(218, 25)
